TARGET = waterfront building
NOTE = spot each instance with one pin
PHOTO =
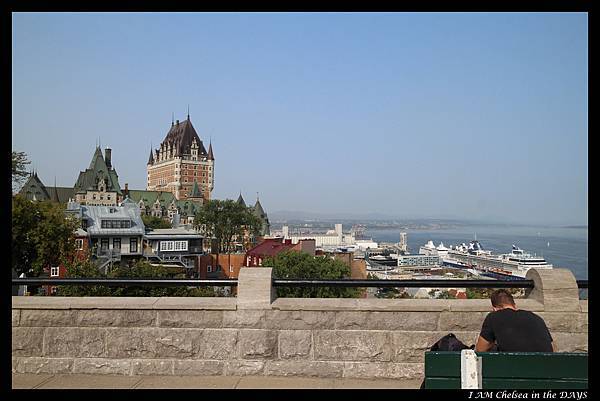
(418, 260)
(403, 244)
(332, 238)
(180, 162)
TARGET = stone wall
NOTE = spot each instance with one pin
(255, 334)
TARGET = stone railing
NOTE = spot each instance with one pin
(257, 334)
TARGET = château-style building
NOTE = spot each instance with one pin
(98, 185)
(181, 162)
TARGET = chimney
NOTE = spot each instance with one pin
(177, 122)
(107, 155)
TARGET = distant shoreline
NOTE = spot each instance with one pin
(580, 227)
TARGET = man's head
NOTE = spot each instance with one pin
(502, 299)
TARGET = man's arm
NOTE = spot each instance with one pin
(483, 345)
(554, 347)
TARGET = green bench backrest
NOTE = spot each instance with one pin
(518, 370)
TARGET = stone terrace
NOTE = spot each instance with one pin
(256, 334)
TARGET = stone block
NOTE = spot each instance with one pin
(248, 319)
(386, 320)
(295, 344)
(410, 346)
(151, 342)
(582, 323)
(27, 341)
(216, 344)
(562, 322)
(195, 303)
(102, 366)
(152, 367)
(257, 344)
(461, 321)
(255, 289)
(556, 289)
(244, 368)
(114, 318)
(340, 345)
(74, 342)
(198, 368)
(380, 370)
(299, 320)
(304, 368)
(571, 342)
(190, 318)
(47, 317)
(16, 316)
(37, 365)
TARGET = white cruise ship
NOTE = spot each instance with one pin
(506, 266)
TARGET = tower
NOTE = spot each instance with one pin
(182, 165)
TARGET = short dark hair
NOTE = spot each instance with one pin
(502, 297)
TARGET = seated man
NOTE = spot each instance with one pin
(512, 329)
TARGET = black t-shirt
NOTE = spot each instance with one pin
(517, 331)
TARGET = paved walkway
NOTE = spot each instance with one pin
(33, 381)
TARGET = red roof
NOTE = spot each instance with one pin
(270, 247)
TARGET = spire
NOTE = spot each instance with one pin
(55, 194)
(151, 158)
(210, 152)
(188, 112)
(240, 200)
(172, 119)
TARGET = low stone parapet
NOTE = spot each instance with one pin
(329, 338)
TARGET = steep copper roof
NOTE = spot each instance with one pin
(210, 152)
(181, 135)
(195, 193)
(88, 179)
(240, 200)
(151, 159)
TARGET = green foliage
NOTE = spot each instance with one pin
(83, 269)
(19, 172)
(42, 235)
(226, 221)
(292, 264)
(140, 269)
(154, 222)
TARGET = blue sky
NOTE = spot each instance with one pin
(408, 114)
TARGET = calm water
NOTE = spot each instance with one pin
(567, 248)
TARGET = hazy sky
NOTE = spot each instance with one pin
(415, 115)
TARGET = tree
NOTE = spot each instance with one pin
(225, 221)
(154, 222)
(139, 269)
(19, 173)
(290, 264)
(42, 235)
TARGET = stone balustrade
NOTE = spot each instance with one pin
(257, 334)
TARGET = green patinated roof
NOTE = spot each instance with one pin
(195, 193)
(88, 179)
(185, 207)
(35, 186)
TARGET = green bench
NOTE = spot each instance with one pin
(510, 370)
